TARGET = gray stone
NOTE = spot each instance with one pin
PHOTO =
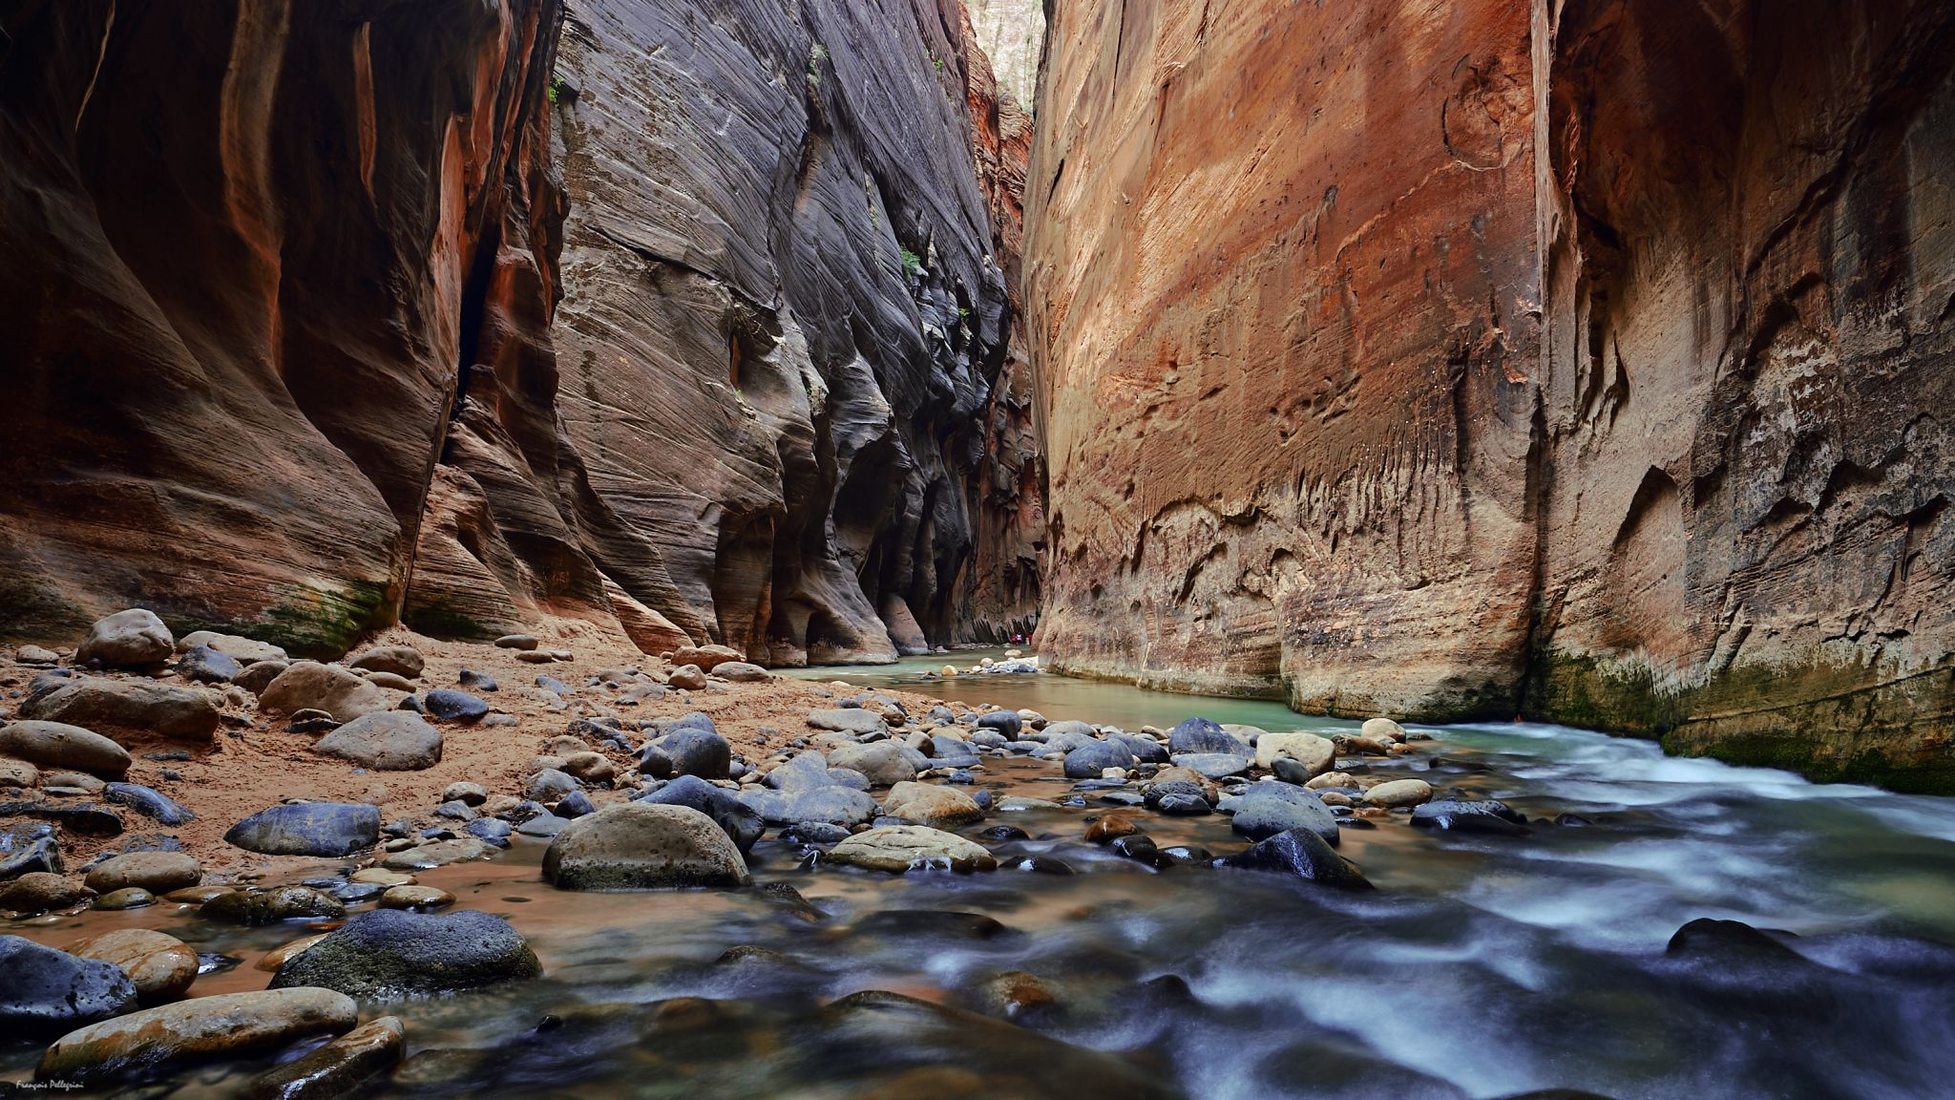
(900, 848)
(831, 805)
(637, 845)
(848, 720)
(137, 708)
(309, 829)
(309, 685)
(449, 705)
(1264, 812)
(550, 785)
(1088, 761)
(1200, 735)
(207, 666)
(742, 823)
(700, 752)
(398, 659)
(127, 639)
(391, 954)
(48, 992)
(281, 903)
(392, 740)
(59, 745)
(741, 672)
(1304, 854)
(245, 651)
(886, 763)
(1213, 765)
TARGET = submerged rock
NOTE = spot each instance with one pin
(157, 872)
(161, 966)
(343, 1067)
(1487, 816)
(390, 954)
(1200, 735)
(157, 1040)
(281, 903)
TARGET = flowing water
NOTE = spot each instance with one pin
(1481, 967)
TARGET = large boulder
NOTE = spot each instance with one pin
(1305, 855)
(45, 991)
(393, 953)
(1270, 808)
(157, 1040)
(1201, 735)
(157, 872)
(273, 906)
(309, 685)
(161, 966)
(742, 822)
(707, 657)
(309, 829)
(391, 740)
(698, 751)
(927, 804)
(1213, 765)
(886, 763)
(900, 848)
(1315, 754)
(1089, 760)
(829, 804)
(136, 709)
(41, 891)
(127, 639)
(59, 745)
(640, 845)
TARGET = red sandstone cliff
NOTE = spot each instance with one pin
(299, 340)
(1587, 361)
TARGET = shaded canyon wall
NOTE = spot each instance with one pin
(1587, 361)
(285, 351)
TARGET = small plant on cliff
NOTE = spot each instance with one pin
(556, 91)
(816, 55)
(912, 262)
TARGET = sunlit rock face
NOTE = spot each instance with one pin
(1011, 33)
(1586, 362)
(301, 341)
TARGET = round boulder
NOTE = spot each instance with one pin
(389, 954)
(309, 829)
(309, 685)
(161, 966)
(157, 872)
(392, 740)
(938, 807)
(41, 891)
(398, 659)
(127, 639)
(48, 991)
(641, 845)
(1400, 792)
(160, 1039)
(1089, 760)
(900, 848)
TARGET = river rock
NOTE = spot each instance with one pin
(83, 818)
(398, 659)
(391, 954)
(742, 823)
(245, 651)
(851, 720)
(832, 804)
(1399, 792)
(149, 803)
(698, 751)
(1088, 761)
(18, 774)
(805, 769)
(161, 966)
(157, 872)
(1485, 816)
(687, 678)
(439, 853)
(309, 685)
(1315, 754)
(741, 672)
(900, 848)
(1177, 796)
(281, 903)
(1302, 853)
(41, 891)
(415, 897)
(392, 740)
(47, 991)
(1213, 765)
(129, 897)
(1271, 808)
(885, 763)
(258, 676)
(34, 656)
(343, 1067)
(523, 642)
(207, 666)
(60, 745)
(28, 849)
(1201, 735)
(127, 639)
(639, 845)
(156, 1040)
(309, 829)
(550, 785)
(937, 807)
(459, 707)
(707, 657)
(1381, 729)
(137, 708)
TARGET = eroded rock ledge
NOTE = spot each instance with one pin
(1473, 361)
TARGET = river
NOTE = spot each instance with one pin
(1481, 967)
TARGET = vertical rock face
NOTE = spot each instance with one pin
(286, 355)
(785, 313)
(1477, 360)
(1011, 34)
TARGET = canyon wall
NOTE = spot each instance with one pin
(1011, 35)
(1583, 361)
(287, 354)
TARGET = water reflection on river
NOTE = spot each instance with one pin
(1482, 967)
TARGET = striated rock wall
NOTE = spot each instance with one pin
(286, 352)
(785, 315)
(1585, 361)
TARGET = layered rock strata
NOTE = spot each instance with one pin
(1583, 361)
